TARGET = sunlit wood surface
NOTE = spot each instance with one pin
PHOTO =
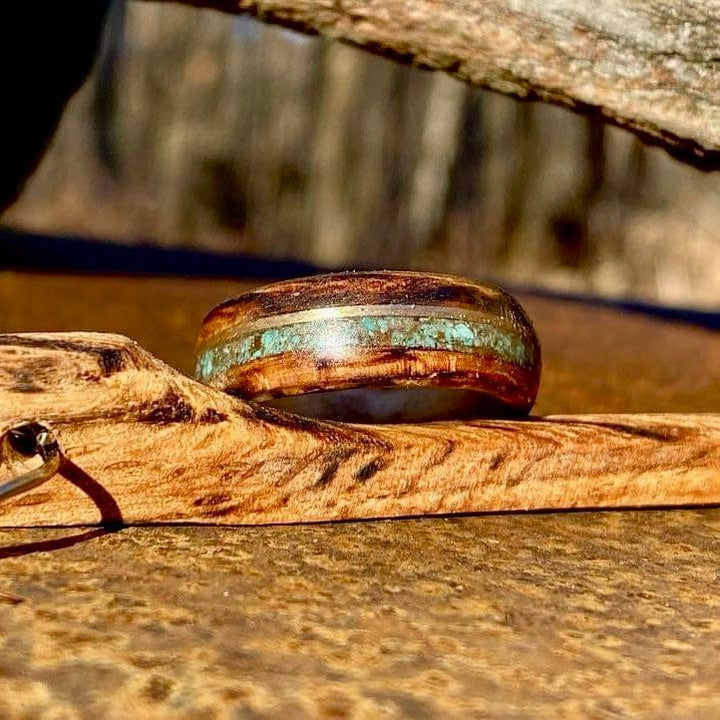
(510, 616)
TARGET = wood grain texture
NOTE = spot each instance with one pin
(595, 359)
(358, 288)
(649, 66)
(525, 617)
(377, 329)
(515, 617)
(157, 447)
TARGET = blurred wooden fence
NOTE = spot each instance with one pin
(212, 131)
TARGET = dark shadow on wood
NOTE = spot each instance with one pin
(54, 544)
(110, 516)
(111, 519)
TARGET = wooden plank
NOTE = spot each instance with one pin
(589, 615)
(157, 447)
(650, 66)
(512, 616)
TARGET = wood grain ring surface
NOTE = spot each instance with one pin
(372, 329)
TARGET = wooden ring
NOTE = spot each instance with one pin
(373, 330)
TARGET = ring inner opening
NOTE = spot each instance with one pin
(394, 405)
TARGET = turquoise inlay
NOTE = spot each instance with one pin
(430, 333)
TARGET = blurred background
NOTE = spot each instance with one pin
(206, 131)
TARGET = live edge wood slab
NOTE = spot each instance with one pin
(145, 444)
(540, 615)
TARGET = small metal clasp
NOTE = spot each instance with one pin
(20, 444)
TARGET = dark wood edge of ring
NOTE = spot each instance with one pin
(512, 385)
(360, 288)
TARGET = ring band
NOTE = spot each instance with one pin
(372, 329)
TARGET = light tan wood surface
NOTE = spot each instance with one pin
(145, 444)
(513, 616)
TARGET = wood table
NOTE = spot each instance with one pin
(553, 615)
